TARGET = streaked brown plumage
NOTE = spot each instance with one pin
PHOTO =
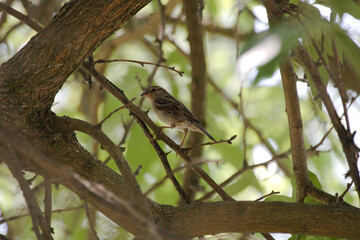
(173, 112)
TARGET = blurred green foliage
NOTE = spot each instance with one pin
(231, 29)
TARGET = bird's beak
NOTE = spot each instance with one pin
(144, 94)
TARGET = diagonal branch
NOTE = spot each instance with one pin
(119, 94)
(23, 18)
(142, 227)
(163, 157)
(70, 124)
(13, 163)
(345, 136)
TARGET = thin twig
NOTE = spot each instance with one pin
(338, 84)
(90, 220)
(267, 195)
(228, 141)
(346, 137)
(48, 204)
(116, 92)
(96, 191)
(190, 165)
(23, 18)
(142, 63)
(110, 114)
(14, 165)
(163, 157)
(348, 186)
(13, 218)
(242, 170)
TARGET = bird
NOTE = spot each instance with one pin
(173, 112)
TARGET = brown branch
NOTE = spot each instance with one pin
(198, 86)
(144, 228)
(25, 19)
(48, 204)
(13, 218)
(221, 93)
(241, 171)
(345, 136)
(228, 141)
(296, 129)
(110, 114)
(249, 216)
(348, 186)
(142, 63)
(288, 78)
(212, 28)
(236, 107)
(267, 195)
(105, 83)
(187, 220)
(338, 83)
(163, 157)
(159, 183)
(70, 124)
(13, 163)
(91, 223)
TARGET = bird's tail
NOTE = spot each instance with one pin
(205, 132)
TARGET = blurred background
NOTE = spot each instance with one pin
(244, 97)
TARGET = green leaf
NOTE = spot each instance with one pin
(341, 7)
(284, 34)
(146, 157)
(304, 237)
(281, 198)
(351, 50)
(314, 179)
(266, 71)
(245, 180)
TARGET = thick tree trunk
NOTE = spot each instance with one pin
(30, 80)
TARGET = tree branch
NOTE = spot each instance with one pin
(105, 83)
(23, 18)
(14, 165)
(132, 220)
(70, 124)
(163, 157)
(288, 78)
(198, 87)
(267, 217)
(346, 138)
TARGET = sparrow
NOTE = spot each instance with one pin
(173, 112)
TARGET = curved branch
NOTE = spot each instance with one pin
(119, 94)
(70, 124)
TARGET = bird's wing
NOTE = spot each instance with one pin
(172, 105)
